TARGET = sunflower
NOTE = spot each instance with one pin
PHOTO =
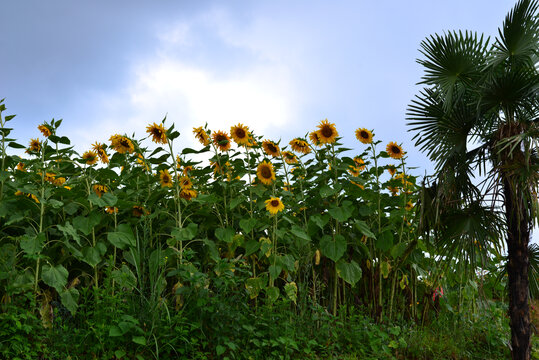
(265, 173)
(165, 178)
(360, 164)
(252, 142)
(45, 130)
(391, 169)
(315, 139)
(240, 134)
(90, 157)
(271, 148)
(185, 182)
(364, 135)
(31, 196)
(300, 146)
(409, 206)
(35, 146)
(49, 177)
(289, 157)
(142, 162)
(138, 211)
(274, 205)
(99, 189)
(121, 144)
(327, 132)
(178, 162)
(100, 150)
(354, 171)
(187, 169)
(158, 133)
(201, 135)
(221, 140)
(59, 181)
(20, 167)
(394, 150)
(111, 209)
(394, 190)
(188, 194)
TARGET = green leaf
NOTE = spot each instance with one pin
(115, 331)
(333, 249)
(15, 145)
(272, 294)
(326, 191)
(349, 272)
(299, 232)
(251, 247)
(398, 250)
(69, 298)
(85, 224)
(91, 256)
(291, 290)
(220, 350)
(212, 250)
(32, 244)
(225, 234)
(319, 220)
(69, 232)
(385, 241)
(55, 276)
(255, 285)
(385, 268)
(119, 353)
(275, 271)
(247, 225)
(186, 233)
(122, 238)
(288, 262)
(236, 201)
(341, 213)
(364, 229)
(141, 340)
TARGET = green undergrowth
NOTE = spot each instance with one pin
(222, 327)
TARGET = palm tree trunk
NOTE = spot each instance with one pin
(518, 237)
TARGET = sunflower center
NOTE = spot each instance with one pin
(240, 133)
(124, 143)
(221, 138)
(395, 150)
(272, 148)
(265, 172)
(274, 203)
(327, 131)
(364, 135)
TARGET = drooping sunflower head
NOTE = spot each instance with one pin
(138, 211)
(158, 133)
(274, 205)
(315, 139)
(394, 150)
(271, 148)
(142, 162)
(111, 209)
(99, 189)
(188, 194)
(221, 140)
(354, 171)
(165, 179)
(178, 162)
(289, 158)
(394, 190)
(265, 173)
(364, 135)
(121, 144)
(187, 169)
(90, 157)
(100, 150)
(360, 164)
(34, 147)
(327, 132)
(409, 206)
(391, 169)
(240, 134)
(300, 146)
(59, 181)
(20, 167)
(201, 135)
(45, 130)
(185, 182)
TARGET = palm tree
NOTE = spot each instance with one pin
(478, 117)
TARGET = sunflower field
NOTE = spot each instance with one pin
(244, 247)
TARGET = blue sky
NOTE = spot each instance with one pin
(277, 66)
